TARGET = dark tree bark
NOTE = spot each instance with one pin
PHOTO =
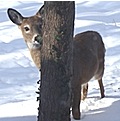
(56, 61)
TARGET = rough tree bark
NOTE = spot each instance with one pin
(56, 61)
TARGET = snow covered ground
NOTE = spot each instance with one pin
(18, 74)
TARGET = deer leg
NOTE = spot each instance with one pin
(76, 102)
(84, 91)
(101, 88)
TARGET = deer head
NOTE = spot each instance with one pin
(31, 28)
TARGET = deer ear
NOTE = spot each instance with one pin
(40, 11)
(15, 16)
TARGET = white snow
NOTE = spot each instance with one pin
(18, 74)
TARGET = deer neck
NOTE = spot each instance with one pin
(35, 54)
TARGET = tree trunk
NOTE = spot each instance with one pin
(56, 61)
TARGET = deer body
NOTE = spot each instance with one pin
(88, 54)
(88, 62)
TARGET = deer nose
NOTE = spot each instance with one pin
(38, 39)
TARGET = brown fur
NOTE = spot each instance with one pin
(88, 62)
(35, 54)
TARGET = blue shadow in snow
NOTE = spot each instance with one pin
(12, 46)
(20, 118)
(110, 113)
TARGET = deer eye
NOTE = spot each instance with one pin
(26, 29)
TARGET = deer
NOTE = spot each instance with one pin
(88, 54)
(88, 62)
(31, 31)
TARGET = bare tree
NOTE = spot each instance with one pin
(56, 61)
